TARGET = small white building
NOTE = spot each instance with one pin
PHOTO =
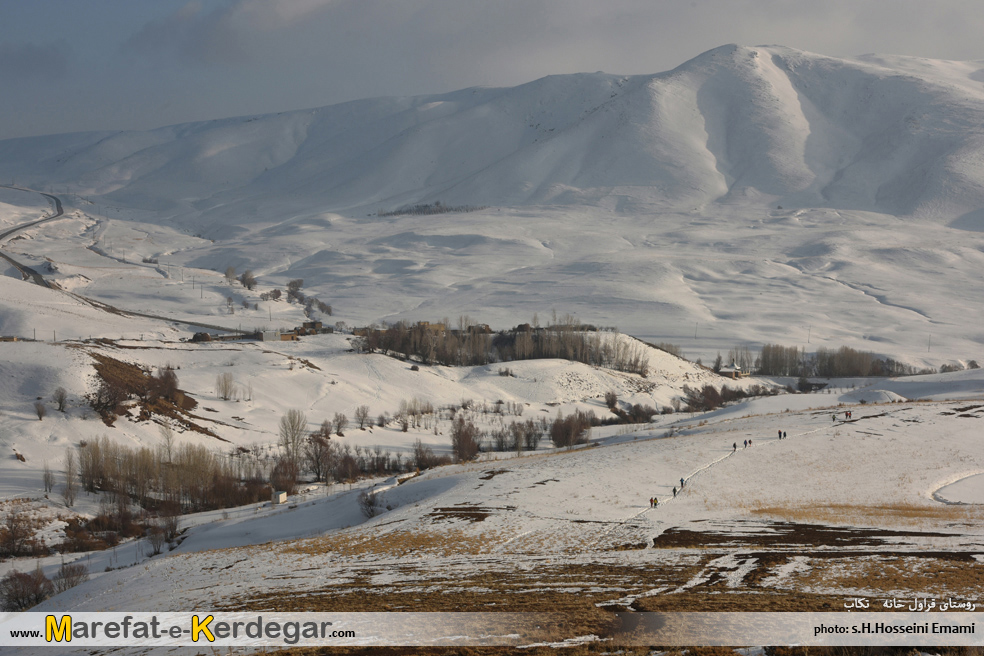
(279, 497)
(270, 336)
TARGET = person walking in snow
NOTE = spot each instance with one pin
(734, 447)
(655, 502)
(780, 435)
(674, 492)
(650, 502)
(784, 435)
(745, 444)
(749, 442)
(681, 483)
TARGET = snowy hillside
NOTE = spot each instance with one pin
(751, 195)
(884, 134)
(839, 509)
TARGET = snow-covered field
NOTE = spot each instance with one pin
(747, 524)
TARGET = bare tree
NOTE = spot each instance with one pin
(248, 280)
(294, 290)
(292, 427)
(362, 416)
(155, 538)
(17, 533)
(70, 575)
(230, 273)
(60, 397)
(21, 590)
(284, 476)
(171, 524)
(225, 386)
(71, 471)
(167, 441)
(341, 421)
(321, 456)
(48, 477)
(40, 410)
(464, 439)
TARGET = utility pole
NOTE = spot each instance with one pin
(695, 330)
(929, 348)
(808, 331)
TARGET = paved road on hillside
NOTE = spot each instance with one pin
(27, 271)
(38, 279)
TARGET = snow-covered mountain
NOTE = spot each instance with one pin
(766, 194)
(895, 135)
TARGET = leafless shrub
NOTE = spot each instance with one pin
(16, 534)
(170, 525)
(225, 386)
(69, 576)
(155, 538)
(60, 397)
(370, 503)
(464, 439)
(20, 591)
(40, 410)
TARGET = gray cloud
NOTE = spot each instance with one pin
(225, 34)
(34, 61)
(179, 60)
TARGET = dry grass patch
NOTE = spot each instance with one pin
(398, 543)
(896, 514)
(934, 577)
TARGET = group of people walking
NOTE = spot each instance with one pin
(747, 443)
(654, 502)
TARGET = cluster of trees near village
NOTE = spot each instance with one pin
(471, 344)
(778, 360)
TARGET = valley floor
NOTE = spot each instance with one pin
(870, 507)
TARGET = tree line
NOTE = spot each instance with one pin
(779, 360)
(473, 344)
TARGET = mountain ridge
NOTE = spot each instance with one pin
(735, 124)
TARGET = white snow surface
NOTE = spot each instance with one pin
(751, 195)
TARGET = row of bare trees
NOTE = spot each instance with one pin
(185, 476)
(473, 344)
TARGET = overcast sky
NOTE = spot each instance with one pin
(71, 65)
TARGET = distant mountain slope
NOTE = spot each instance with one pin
(898, 135)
